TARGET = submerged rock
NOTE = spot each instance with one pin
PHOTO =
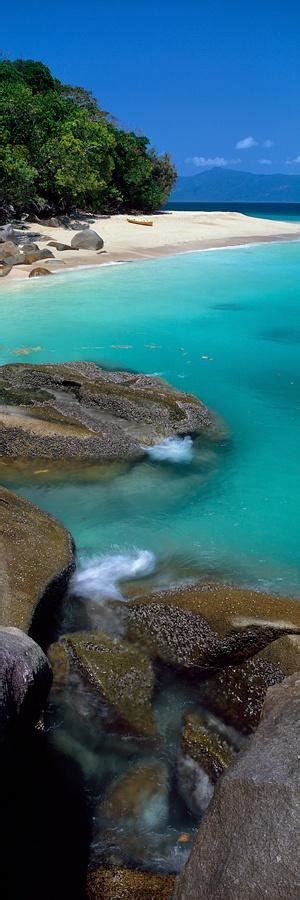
(204, 756)
(237, 693)
(247, 845)
(37, 559)
(79, 410)
(218, 625)
(87, 240)
(139, 799)
(122, 675)
(127, 884)
(25, 681)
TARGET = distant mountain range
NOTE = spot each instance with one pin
(228, 185)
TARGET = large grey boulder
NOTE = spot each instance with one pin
(25, 681)
(247, 845)
(7, 249)
(87, 240)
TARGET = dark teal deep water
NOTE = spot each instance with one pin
(224, 325)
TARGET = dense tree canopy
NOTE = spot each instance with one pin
(58, 149)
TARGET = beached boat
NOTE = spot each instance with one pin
(140, 221)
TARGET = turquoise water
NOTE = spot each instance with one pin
(224, 325)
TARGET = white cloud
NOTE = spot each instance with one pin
(210, 161)
(268, 143)
(291, 162)
(265, 162)
(246, 143)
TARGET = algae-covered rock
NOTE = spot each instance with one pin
(248, 842)
(80, 410)
(139, 798)
(121, 673)
(25, 681)
(39, 271)
(204, 756)
(242, 622)
(237, 693)
(185, 639)
(37, 558)
(127, 884)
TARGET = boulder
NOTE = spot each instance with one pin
(37, 558)
(186, 640)
(40, 270)
(5, 270)
(30, 247)
(127, 884)
(25, 681)
(121, 674)
(87, 240)
(139, 799)
(32, 256)
(16, 260)
(204, 756)
(79, 410)
(7, 233)
(247, 845)
(239, 617)
(60, 246)
(8, 249)
(237, 693)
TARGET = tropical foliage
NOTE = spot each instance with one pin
(59, 149)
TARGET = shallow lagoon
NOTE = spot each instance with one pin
(224, 325)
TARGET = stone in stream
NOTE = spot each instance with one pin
(128, 884)
(207, 626)
(37, 559)
(80, 411)
(25, 681)
(87, 240)
(248, 841)
(204, 755)
(122, 676)
(139, 799)
(7, 233)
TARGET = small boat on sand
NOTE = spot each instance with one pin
(140, 221)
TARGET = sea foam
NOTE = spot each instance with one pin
(173, 449)
(98, 578)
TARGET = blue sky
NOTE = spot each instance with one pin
(213, 82)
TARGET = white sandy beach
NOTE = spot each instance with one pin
(172, 232)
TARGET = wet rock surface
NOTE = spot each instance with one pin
(37, 558)
(235, 624)
(204, 756)
(79, 410)
(237, 693)
(139, 799)
(126, 884)
(247, 843)
(182, 638)
(122, 675)
(25, 681)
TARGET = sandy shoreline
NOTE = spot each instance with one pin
(172, 232)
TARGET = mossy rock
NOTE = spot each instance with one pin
(128, 884)
(101, 414)
(122, 674)
(37, 559)
(243, 623)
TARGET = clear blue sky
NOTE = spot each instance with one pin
(197, 77)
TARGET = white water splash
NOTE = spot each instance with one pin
(98, 578)
(174, 450)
